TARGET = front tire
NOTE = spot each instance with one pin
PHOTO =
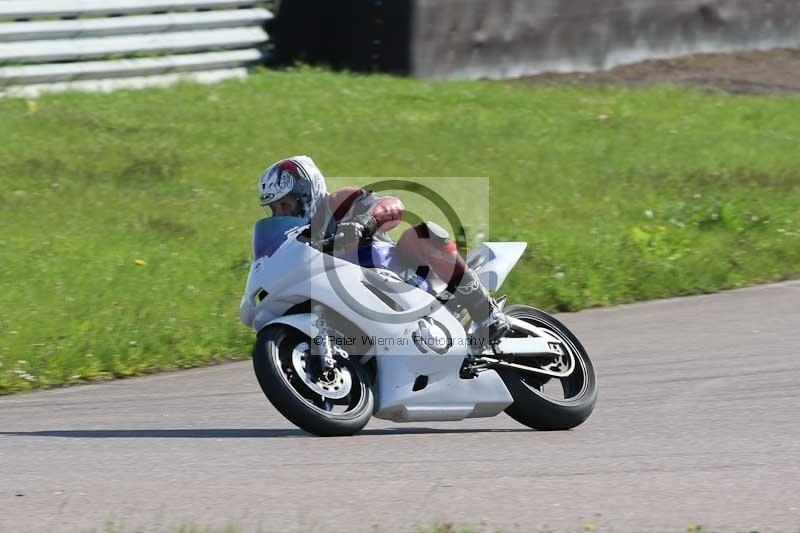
(532, 406)
(309, 410)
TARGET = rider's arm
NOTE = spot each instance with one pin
(343, 200)
(352, 201)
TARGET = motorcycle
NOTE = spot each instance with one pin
(342, 338)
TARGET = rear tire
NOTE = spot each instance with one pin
(294, 400)
(531, 406)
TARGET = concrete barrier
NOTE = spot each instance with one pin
(510, 38)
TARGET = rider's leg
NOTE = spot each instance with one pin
(429, 244)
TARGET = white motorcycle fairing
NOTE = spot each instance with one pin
(492, 261)
(296, 273)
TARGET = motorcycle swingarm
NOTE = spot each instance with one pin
(539, 345)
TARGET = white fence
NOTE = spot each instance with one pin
(107, 44)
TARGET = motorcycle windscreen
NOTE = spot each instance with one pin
(270, 233)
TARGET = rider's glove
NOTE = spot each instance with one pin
(357, 230)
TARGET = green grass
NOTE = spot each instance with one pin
(622, 194)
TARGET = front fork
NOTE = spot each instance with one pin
(321, 349)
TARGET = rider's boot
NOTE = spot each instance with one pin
(481, 307)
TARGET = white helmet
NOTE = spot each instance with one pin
(298, 176)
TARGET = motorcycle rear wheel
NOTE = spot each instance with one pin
(532, 406)
(307, 409)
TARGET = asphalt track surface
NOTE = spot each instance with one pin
(698, 422)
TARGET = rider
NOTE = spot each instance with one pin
(295, 187)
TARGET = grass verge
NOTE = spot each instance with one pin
(126, 217)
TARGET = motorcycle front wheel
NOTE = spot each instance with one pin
(549, 403)
(337, 403)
